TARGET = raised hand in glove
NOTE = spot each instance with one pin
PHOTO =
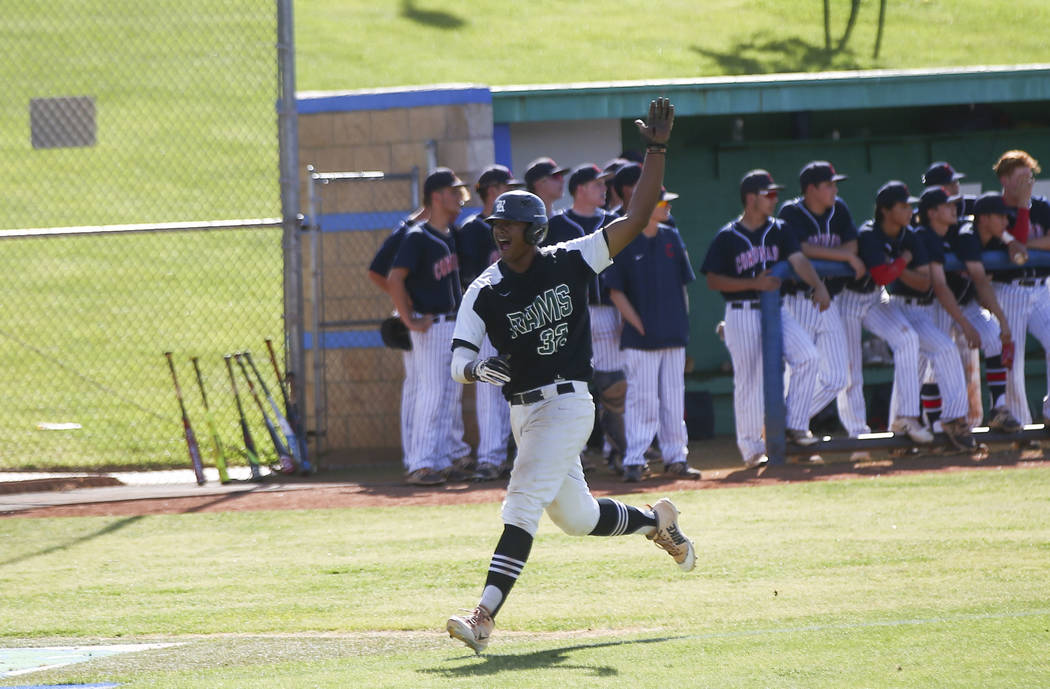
(494, 370)
(661, 119)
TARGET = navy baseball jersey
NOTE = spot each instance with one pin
(570, 224)
(741, 253)
(877, 249)
(433, 269)
(652, 271)
(384, 258)
(934, 247)
(539, 318)
(1039, 219)
(964, 242)
(831, 229)
(476, 247)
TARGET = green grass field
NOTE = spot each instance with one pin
(912, 581)
(88, 320)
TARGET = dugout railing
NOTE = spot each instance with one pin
(773, 368)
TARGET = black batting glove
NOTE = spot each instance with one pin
(494, 370)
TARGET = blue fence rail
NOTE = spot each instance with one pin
(773, 360)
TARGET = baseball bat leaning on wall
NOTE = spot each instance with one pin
(282, 422)
(191, 438)
(216, 442)
(283, 455)
(246, 433)
(291, 408)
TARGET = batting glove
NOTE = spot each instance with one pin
(493, 370)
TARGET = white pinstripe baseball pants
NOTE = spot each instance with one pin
(432, 351)
(744, 340)
(938, 348)
(605, 338)
(874, 312)
(826, 331)
(655, 403)
(493, 413)
(1027, 309)
(408, 401)
(987, 327)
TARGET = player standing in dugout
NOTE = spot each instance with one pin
(532, 304)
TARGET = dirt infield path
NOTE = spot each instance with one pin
(328, 491)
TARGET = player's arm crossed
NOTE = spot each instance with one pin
(626, 309)
(805, 270)
(847, 253)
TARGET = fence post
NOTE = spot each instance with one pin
(288, 144)
(773, 376)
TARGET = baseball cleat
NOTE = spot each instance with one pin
(958, 433)
(1004, 422)
(755, 461)
(802, 438)
(669, 537)
(487, 472)
(473, 629)
(425, 477)
(682, 470)
(916, 431)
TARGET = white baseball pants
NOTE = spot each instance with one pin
(655, 403)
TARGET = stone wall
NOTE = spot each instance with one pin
(385, 131)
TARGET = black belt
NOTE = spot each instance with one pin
(1023, 282)
(751, 304)
(438, 317)
(916, 301)
(534, 396)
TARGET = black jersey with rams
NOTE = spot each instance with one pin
(539, 318)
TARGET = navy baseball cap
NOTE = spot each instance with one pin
(893, 192)
(627, 176)
(497, 174)
(441, 178)
(935, 196)
(818, 171)
(588, 172)
(940, 173)
(542, 167)
(990, 203)
(756, 181)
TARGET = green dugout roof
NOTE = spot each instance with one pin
(775, 93)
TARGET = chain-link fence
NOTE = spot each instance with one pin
(118, 113)
(350, 216)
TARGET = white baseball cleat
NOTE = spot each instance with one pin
(915, 430)
(669, 537)
(473, 629)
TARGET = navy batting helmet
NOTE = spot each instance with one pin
(522, 206)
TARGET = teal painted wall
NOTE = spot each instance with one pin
(705, 167)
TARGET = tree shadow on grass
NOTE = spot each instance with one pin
(554, 657)
(437, 19)
(767, 53)
(108, 529)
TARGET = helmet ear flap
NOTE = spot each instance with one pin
(535, 233)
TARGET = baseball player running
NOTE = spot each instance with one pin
(823, 226)
(737, 265)
(890, 251)
(477, 251)
(533, 306)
